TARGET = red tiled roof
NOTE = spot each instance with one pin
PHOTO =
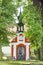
(14, 40)
(27, 40)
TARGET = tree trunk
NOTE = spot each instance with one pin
(41, 51)
(0, 53)
(40, 4)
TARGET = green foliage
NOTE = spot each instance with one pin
(3, 37)
(32, 18)
(7, 9)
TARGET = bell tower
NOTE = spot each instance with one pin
(20, 27)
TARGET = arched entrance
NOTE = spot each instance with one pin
(21, 52)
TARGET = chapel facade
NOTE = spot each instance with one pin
(20, 45)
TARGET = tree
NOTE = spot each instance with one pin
(32, 18)
(7, 9)
(6, 15)
(39, 3)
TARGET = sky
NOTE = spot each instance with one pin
(20, 8)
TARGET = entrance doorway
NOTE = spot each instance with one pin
(21, 52)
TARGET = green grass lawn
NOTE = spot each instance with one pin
(8, 63)
(21, 62)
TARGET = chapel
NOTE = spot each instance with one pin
(20, 45)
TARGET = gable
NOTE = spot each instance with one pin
(14, 40)
(21, 38)
(27, 40)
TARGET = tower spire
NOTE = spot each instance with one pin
(19, 17)
(20, 27)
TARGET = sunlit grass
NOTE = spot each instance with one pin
(8, 63)
(21, 62)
